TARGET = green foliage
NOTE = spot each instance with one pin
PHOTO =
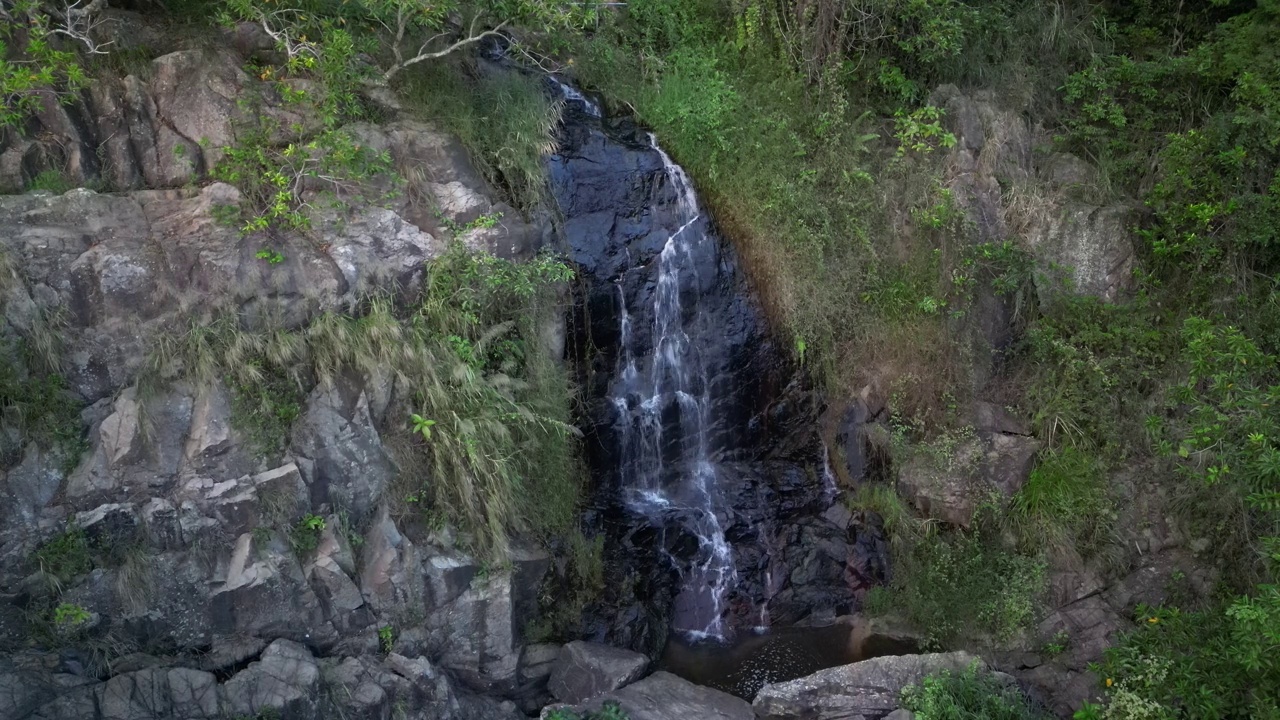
(968, 695)
(610, 711)
(272, 179)
(920, 131)
(305, 536)
(39, 405)
(1215, 663)
(1226, 437)
(964, 585)
(265, 402)
(68, 617)
(33, 64)
(1095, 368)
(65, 557)
(386, 639)
(500, 456)
(1200, 112)
(51, 181)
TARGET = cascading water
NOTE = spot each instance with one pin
(673, 479)
(706, 467)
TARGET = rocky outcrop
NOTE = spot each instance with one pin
(285, 681)
(871, 689)
(663, 696)
(1046, 201)
(1084, 249)
(950, 483)
(584, 670)
(193, 526)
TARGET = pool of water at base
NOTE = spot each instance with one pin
(754, 659)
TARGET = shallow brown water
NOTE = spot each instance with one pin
(753, 660)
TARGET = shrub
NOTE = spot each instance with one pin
(968, 695)
(964, 586)
(1214, 663)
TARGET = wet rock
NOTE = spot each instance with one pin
(285, 680)
(870, 689)
(585, 670)
(663, 696)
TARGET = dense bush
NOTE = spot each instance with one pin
(968, 695)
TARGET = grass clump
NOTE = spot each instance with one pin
(50, 180)
(65, 557)
(962, 585)
(609, 711)
(506, 121)
(968, 695)
(1065, 504)
(491, 449)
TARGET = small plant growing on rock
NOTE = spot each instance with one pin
(305, 536)
(70, 615)
(386, 639)
(610, 711)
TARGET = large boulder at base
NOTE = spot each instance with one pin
(663, 696)
(585, 670)
(870, 689)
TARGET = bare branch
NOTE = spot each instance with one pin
(79, 24)
(471, 38)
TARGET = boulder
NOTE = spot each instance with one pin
(477, 618)
(347, 467)
(584, 670)
(286, 681)
(950, 489)
(870, 689)
(391, 577)
(1084, 250)
(663, 696)
(160, 692)
(1008, 461)
(263, 592)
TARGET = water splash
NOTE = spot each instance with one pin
(829, 488)
(572, 94)
(672, 479)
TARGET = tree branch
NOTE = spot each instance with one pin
(471, 38)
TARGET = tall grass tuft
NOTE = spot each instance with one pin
(506, 120)
(481, 420)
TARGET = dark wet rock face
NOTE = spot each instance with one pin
(700, 438)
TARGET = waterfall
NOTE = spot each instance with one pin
(703, 457)
(674, 479)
